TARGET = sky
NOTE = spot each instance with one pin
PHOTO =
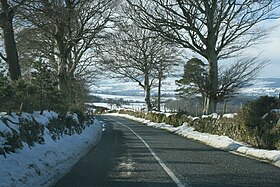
(270, 49)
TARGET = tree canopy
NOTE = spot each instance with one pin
(139, 55)
(215, 29)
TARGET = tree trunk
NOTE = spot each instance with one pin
(225, 107)
(159, 91)
(147, 93)
(148, 98)
(211, 102)
(62, 74)
(206, 105)
(62, 61)
(6, 23)
(205, 100)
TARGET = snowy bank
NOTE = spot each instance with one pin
(221, 142)
(42, 164)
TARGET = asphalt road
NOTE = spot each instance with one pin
(132, 154)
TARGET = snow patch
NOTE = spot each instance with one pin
(214, 115)
(229, 115)
(4, 128)
(43, 164)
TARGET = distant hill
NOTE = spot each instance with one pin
(271, 82)
(263, 86)
(113, 88)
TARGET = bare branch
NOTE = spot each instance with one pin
(3, 57)
(214, 29)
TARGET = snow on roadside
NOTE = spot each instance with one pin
(221, 142)
(43, 164)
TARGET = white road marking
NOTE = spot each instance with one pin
(126, 168)
(166, 169)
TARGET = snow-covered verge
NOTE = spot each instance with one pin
(43, 163)
(221, 142)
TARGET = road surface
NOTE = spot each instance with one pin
(132, 154)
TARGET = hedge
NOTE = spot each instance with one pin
(266, 135)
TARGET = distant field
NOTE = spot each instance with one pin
(113, 88)
(113, 94)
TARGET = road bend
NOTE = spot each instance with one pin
(132, 154)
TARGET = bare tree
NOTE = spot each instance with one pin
(72, 29)
(230, 80)
(214, 29)
(169, 60)
(136, 54)
(237, 76)
(35, 47)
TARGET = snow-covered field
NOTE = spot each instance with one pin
(221, 142)
(130, 91)
(134, 95)
(133, 106)
(134, 98)
(265, 86)
(43, 164)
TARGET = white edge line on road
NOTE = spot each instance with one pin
(166, 169)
